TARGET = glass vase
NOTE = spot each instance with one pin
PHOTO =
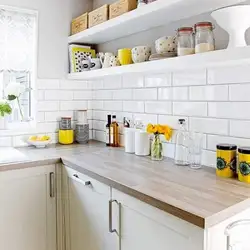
(156, 148)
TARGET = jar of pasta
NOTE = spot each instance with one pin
(226, 160)
(244, 164)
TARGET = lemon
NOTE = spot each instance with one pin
(33, 138)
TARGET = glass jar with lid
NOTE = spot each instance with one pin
(185, 40)
(204, 37)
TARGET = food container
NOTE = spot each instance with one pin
(66, 137)
(244, 164)
(129, 140)
(185, 41)
(226, 160)
(120, 7)
(79, 24)
(65, 123)
(82, 117)
(98, 16)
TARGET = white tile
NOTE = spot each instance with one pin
(98, 84)
(190, 108)
(189, 78)
(48, 84)
(73, 85)
(213, 140)
(99, 135)
(40, 95)
(6, 141)
(73, 105)
(82, 95)
(165, 93)
(240, 128)
(99, 125)
(89, 114)
(132, 81)
(47, 106)
(56, 116)
(172, 121)
(112, 105)
(102, 95)
(123, 94)
(99, 115)
(235, 74)
(180, 93)
(19, 141)
(209, 125)
(97, 105)
(209, 93)
(158, 107)
(53, 95)
(239, 92)
(133, 106)
(158, 80)
(40, 117)
(112, 82)
(90, 104)
(208, 158)
(168, 150)
(145, 94)
(235, 110)
(46, 127)
(146, 118)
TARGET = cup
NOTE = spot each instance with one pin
(114, 61)
(129, 140)
(195, 149)
(141, 54)
(125, 56)
(166, 44)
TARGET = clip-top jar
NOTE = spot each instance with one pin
(244, 164)
(226, 160)
(185, 40)
(204, 37)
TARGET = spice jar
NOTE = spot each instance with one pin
(185, 41)
(226, 160)
(204, 37)
(244, 164)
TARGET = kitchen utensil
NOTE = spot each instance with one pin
(129, 140)
(195, 149)
(105, 59)
(166, 44)
(142, 143)
(235, 20)
(95, 63)
(125, 56)
(141, 54)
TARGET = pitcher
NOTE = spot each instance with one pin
(105, 59)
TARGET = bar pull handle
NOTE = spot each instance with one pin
(52, 184)
(85, 183)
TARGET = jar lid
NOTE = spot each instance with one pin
(66, 118)
(203, 25)
(183, 29)
(244, 150)
(226, 147)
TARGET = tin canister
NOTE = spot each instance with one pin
(226, 160)
(244, 164)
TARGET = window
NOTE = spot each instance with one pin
(18, 38)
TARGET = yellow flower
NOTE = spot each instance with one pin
(151, 129)
(168, 134)
(160, 129)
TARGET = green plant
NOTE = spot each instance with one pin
(5, 108)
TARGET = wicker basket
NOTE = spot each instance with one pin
(79, 24)
(99, 15)
(121, 7)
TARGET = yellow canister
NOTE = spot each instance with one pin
(244, 164)
(66, 137)
(226, 160)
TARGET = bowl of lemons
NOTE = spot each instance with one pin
(39, 141)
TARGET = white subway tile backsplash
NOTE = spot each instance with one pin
(172, 121)
(6, 141)
(146, 118)
(48, 105)
(234, 110)
(114, 82)
(190, 108)
(82, 95)
(112, 105)
(57, 115)
(40, 95)
(102, 95)
(233, 74)
(209, 93)
(158, 107)
(99, 115)
(158, 80)
(145, 94)
(40, 117)
(180, 93)
(133, 106)
(53, 95)
(99, 135)
(239, 92)
(133, 81)
(240, 128)
(165, 93)
(48, 84)
(189, 78)
(209, 158)
(169, 149)
(99, 125)
(98, 84)
(97, 105)
(73, 105)
(209, 125)
(74, 85)
(123, 94)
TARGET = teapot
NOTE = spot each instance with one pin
(105, 59)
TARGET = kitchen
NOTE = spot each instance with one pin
(92, 196)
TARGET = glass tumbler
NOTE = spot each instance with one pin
(195, 149)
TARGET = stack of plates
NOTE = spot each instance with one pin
(154, 57)
(82, 133)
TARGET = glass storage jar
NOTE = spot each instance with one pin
(185, 41)
(204, 37)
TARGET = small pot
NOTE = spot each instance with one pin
(141, 54)
(166, 44)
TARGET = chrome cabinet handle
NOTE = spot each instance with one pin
(85, 183)
(52, 184)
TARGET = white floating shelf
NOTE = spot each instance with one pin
(225, 57)
(147, 17)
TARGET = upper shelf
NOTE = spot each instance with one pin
(227, 57)
(147, 17)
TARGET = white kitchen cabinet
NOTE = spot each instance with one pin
(144, 227)
(28, 209)
(87, 213)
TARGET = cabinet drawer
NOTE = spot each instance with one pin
(90, 183)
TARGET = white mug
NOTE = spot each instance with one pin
(142, 143)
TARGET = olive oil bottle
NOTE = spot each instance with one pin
(114, 132)
(108, 135)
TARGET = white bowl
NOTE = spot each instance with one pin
(166, 44)
(39, 144)
(235, 20)
(141, 54)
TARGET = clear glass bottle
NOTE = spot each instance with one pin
(181, 145)
(185, 41)
(204, 37)
(114, 132)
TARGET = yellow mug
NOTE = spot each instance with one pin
(125, 56)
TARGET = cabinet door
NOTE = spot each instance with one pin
(27, 209)
(87, 213)
(144, 227)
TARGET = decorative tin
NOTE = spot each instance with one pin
(244, 164)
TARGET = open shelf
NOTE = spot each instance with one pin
(225, 57)
(147, 17)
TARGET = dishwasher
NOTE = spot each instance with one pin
(237, 234)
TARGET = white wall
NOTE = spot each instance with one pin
(54, 26)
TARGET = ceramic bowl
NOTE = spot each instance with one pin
(39, 144)
(166, 44)
(141, 54)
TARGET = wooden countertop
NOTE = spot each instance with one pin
(196, 196)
